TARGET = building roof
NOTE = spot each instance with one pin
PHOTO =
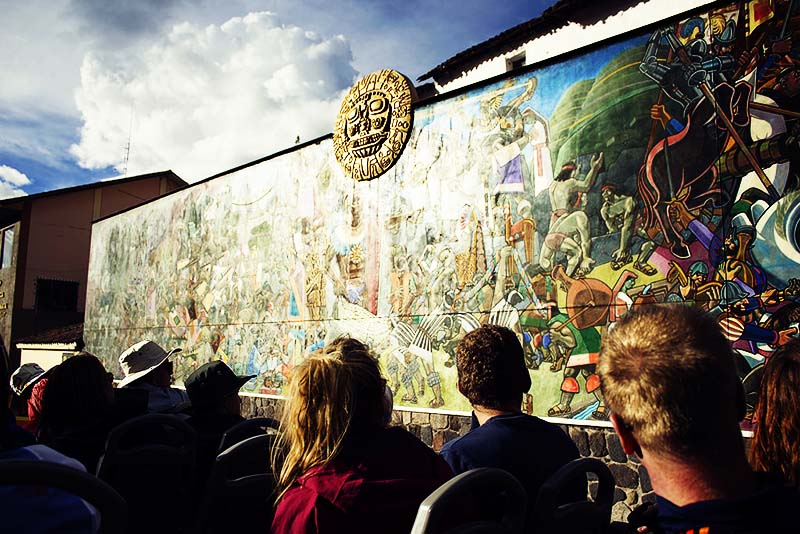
(563, 12)
(63, 335)
(6, 202)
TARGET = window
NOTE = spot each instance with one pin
(8, 247)
(56, 295)
(516, 62)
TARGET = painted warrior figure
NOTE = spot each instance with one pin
(568, 221)
(575, 350)
(415, 343)
(683, 165)
(315, 287)
(619, 213)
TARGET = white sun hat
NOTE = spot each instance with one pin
(141, 358)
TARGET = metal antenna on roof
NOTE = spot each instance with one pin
(128, 146)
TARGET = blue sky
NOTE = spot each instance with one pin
(200, 86)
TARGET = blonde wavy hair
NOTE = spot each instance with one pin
(338, 391)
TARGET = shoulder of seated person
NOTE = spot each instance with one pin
(398, 433)
(45, 454)
(387, 439)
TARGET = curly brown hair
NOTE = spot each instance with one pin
(776, 439)
(491, 367)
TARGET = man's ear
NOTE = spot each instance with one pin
(626, 437)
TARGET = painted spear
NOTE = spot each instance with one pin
(683, 56)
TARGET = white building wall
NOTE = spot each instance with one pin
(574, 36)
(46, 357)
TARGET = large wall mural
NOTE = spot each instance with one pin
(663, 168)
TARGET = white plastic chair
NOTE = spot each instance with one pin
(479, 501)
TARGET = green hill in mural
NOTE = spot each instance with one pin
(609, 113)
(567, 111)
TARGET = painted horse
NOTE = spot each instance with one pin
(682, 165)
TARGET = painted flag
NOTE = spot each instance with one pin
(758, 12)
(732, 327)
(511, 177)
(507, 162)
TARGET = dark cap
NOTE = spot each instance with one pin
(212, 382)
(25, 377)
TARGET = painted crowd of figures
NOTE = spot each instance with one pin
(663, 168)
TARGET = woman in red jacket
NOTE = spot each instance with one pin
(344, 470)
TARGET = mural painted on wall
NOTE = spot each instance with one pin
(663, 168)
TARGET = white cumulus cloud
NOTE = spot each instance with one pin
(13, 176)
(205, 99)
(10, 181)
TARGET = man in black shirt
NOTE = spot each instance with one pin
(493, 376)
(668, 375)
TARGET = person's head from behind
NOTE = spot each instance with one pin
(214, 388)
(335, 395)
(146, 362)
(668, 375)
(774, 447)
(79, 392)
(161, 376)
(491, 368)
(25, 377)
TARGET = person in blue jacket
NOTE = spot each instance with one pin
(492, 375)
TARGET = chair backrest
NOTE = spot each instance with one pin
(586, 516)
(751, 384)
(109, 504)
(150, 461)
(481, 500)
(130, 403)
(239, 490)
(247, 429)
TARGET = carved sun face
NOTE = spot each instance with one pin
(368, 122)
(373, 124)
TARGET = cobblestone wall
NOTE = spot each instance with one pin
(261, 407)
(633, 483)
